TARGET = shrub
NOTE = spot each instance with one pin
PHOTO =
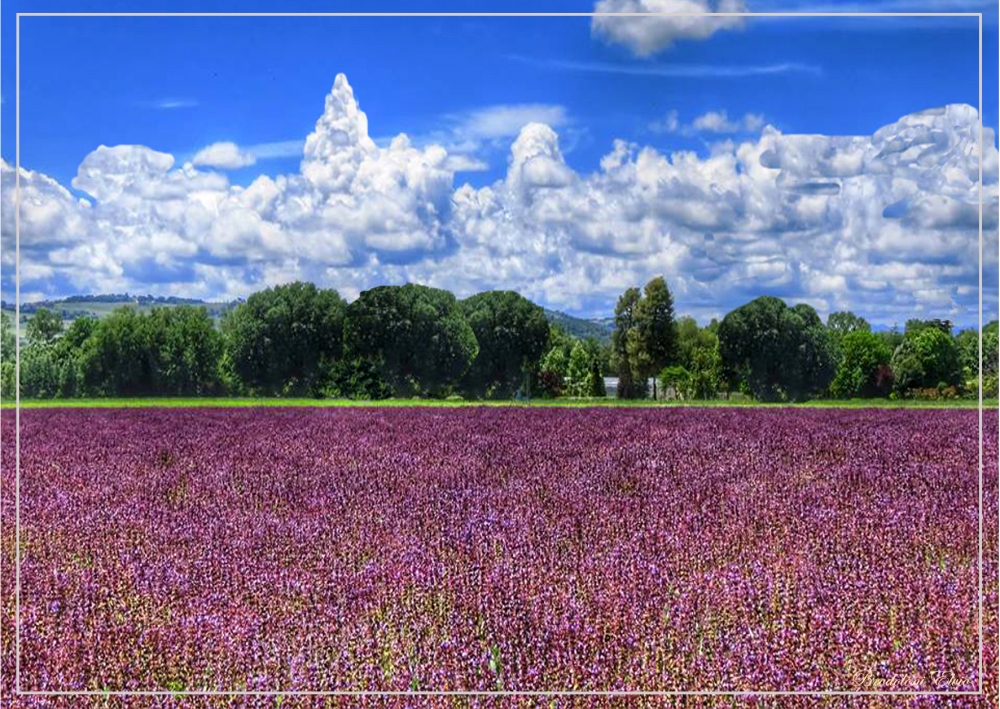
(676, 379)
(938, 393)
(355, 378)
(595, 381)
(863, 355)
(550, 384)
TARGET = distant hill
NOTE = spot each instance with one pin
(600, 329)
(76, 306)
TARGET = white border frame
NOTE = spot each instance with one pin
(539, 693)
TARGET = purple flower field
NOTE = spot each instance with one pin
(491, 548)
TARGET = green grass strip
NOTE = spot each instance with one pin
(126, 403)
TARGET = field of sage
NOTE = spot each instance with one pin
(495, 549)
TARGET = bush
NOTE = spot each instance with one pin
(39, 372)
(550, 384)
(864, 358)
(356, 379)
(938, 393)
(7, 379)
(884, 379)
(676, 379)
(927, 358)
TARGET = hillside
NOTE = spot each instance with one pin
(599, 329)
(100, 305)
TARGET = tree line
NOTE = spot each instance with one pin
(773, 352)
(416, 341)
(300, 340)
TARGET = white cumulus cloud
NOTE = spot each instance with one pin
(719, 122)
(225, 155)
(669, 21)
(709, 122)
(886, 224)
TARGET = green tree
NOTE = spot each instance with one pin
(967, 342)
(815, 354)
(578, 369)
(8, 346)
(842, 323)
(907, 367)
(184, 351)
(553, 368)
(939, 355)
(928, 357)
(51, 363)
(595, 380)
(697, 353)
(284, 339)
(705, 369)
(845, 322)
(863, 354)
(70, 349)
(655, 343)
(114, 359)
(513, 335)
(991, 349)
(43, 327)
(39, 372)
(691, 338)
(892, 337)
(776, 351)
(416, 336)
(624, 344)
(556, 358)
(644, 340)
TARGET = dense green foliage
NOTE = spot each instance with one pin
(282, 340)
(44, 326)
(624, 342)
(170, 351)
(967, 342)
(571, 367)
(778, 353)
(841, 324)
(355, 378)
(417, 337)
(698, 355)
(406, 341)
(864, 366)
(927, 358)
(8, 347)
(512, 333)
(645, 337)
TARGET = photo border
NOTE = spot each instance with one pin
(553, 693)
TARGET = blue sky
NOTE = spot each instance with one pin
(469, 85)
